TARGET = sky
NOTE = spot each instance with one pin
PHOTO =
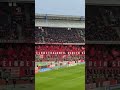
(60, 7)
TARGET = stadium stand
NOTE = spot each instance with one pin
(59, 29)
(102, 68)
(58, 56)
(16, 26)
(59, 35)
(104, 24)
(59, 51)
(13, 58)
(17, 22)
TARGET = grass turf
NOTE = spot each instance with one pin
(71, 78)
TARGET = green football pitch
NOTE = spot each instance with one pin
(70, 78)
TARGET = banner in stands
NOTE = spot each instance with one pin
(16, 72)
(17, 63)
(46, 66)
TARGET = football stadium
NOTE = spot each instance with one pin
(16, 56)
(53, 49)
(60, 52)
(63, 64)
(102, 49)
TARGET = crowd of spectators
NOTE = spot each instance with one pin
(17, 21)
(12, 53)
(59, 35)
(17, 24)
(100, 23)
(16, 52)
(6, 33)
(59, 52)
(96, 55)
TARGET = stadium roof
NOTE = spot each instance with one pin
(63, 21)
(59, 17)
(103, 2)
